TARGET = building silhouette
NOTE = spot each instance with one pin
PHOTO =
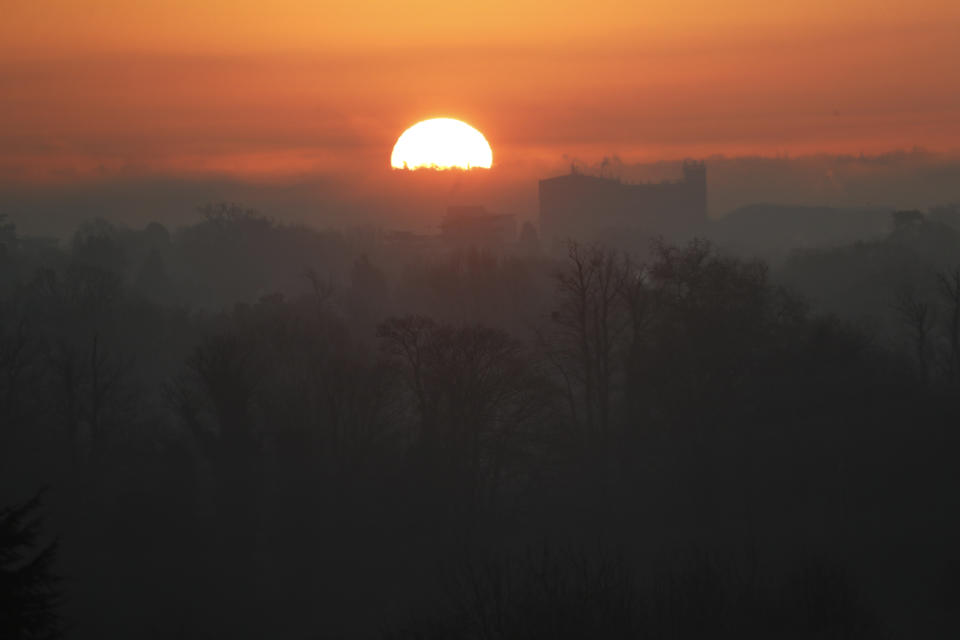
(583, 206)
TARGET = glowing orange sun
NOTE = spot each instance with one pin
(441, 143)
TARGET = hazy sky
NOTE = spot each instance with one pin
(260, 89)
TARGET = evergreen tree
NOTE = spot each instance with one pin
(29, 590)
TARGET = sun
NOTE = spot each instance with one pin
(441, 143)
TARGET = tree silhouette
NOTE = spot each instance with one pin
(591, 325)
(8, 236)
(918, 319)
(949, 284)
(29, 590)
(474, 393)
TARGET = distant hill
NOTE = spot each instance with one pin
(772, 230)
(860, 281)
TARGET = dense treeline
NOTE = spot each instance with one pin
(253, 430)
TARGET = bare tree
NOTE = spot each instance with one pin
(91, 392)
(949, 284)
(15, 361)
(223, 368)
(592, 323)
(322, 288)
(636, 296)
(475, 394)
(408, 340)
(917, 317)
(106, 377)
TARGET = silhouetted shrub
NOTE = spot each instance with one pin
(29, 589)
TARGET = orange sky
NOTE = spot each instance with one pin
(103, 87)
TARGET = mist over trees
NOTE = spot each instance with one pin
(256, 429)
(846, 184)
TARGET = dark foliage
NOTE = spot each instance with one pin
(254, 430)
(29, 588)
